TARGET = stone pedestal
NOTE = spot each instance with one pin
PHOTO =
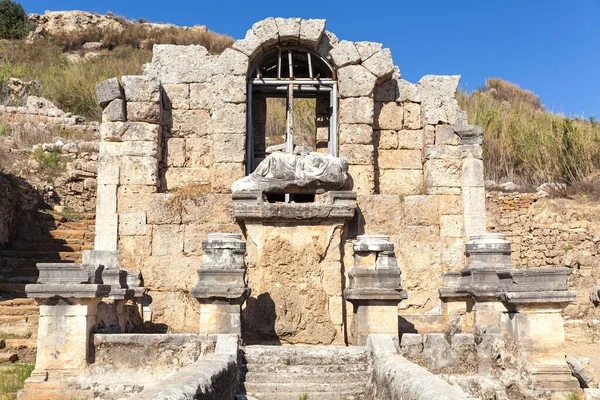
(221, 287)
(525, 304)
(375, 289)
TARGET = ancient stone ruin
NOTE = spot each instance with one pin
(339, 261)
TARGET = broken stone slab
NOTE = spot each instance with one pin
(107, 91)
(411, 344)
(63, 273)
(584, 373)
(291, 173)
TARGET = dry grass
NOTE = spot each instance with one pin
(525, 144)
(70, 85)
(12, 378)
(187, 196)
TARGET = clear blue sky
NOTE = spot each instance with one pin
(551, 47)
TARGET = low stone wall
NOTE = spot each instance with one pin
(212, 377)
(397, 378)
(165, 350)
(548, 232)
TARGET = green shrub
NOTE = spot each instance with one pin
(51, 164)
(13, 20)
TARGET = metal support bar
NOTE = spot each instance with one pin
(249, 136)
(273, 81)
(279, 64)
(332, 144)
(291, 63)
(310, 71)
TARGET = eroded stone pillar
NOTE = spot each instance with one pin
(375, 289)
(221, 287)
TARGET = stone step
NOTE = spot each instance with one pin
(77, 226)
(258, 389)
(51, 391)
(77, 234)
(310, 369)
(17, 344)
(8, 356)
(47, 247)
(19, 310)
(305, 355)
(17, 302)
(340, 395)
(333, 378)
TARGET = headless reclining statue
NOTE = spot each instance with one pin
(286, 172)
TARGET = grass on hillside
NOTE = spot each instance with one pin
(527, 145)
(12, 378)
(70, 85)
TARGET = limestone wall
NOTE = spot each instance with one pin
(174, 140)
(550, 233)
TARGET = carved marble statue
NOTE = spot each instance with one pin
(287, 172)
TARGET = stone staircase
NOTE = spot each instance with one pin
(51, 238)
(305, 373)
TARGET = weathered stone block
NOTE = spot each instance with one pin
(357, 154)
(451, 226)
(114, 111)
(367, 49)
(160, 209)
(388, 116)
(356, 134)
(356, 81)
(183, 177)
(224, 174)
(311, 31)
(380, 64)
(412, 116)
(201, 96)
(438, 102)
(266, 31)
(443, 172)
(132, 224)
(335, 307)
(411, 344)
(207, 209)
(442, 152)
(403, 182)
(289, 29)
(182, 64)
(232, 62)
(106, 199)
(199, 152)
(401, 159)
(422, 210)
(140, 88)
(175, 150)
(386, 139)
(107, 91)
(143, 112)
(450, 204)
(344, 53)
(134, 250)
(363, 178)
(356, 111)
(444, 134)
(229, 147)
(429, 131)
(191, 123)
(229, 118)
(106, 232)
(411, 139)
(139, 171)
(177, 96)
(230, 88)
(119, 149)
(250, 45)
(167, 240)
(108, 171)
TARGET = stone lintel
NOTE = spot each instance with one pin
(469, 134)
(554, 298)
(65, 273)
(72, 290)
(332, 205)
